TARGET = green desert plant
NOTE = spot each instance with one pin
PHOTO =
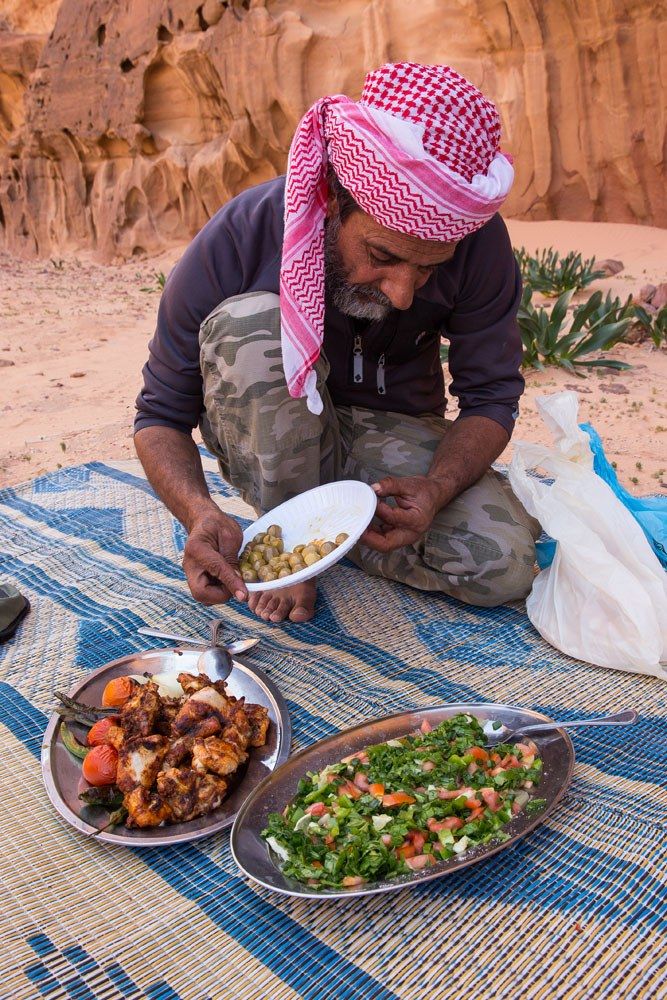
(655, 325)
(552, 274)
(160, 280)
(596, 325)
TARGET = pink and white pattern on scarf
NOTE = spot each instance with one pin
(419, 153)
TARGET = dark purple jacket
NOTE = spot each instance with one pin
(471, 301)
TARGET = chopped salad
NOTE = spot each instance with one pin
(404, 805)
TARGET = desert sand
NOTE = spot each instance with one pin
(74, 335)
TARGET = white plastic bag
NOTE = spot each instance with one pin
(604, 597)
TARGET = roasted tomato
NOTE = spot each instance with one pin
(117, 692)
(98, 734)
(100, 766)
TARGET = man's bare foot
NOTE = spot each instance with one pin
(296, 603)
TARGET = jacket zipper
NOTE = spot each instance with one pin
(380, 376)
(358, 361)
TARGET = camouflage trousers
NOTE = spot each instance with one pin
(479, 549)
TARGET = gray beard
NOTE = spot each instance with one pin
(359, 301)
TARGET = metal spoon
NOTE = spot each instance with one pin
(498, 732)
(215, 661)
(233, 648)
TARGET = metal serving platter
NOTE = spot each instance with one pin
(255, 859)
(62, 773)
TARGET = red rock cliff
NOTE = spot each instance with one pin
(124, 125)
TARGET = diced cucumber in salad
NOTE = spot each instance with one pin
(404, 805)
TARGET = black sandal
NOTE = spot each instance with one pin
(13, 609)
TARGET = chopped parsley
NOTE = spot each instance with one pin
(403, 805)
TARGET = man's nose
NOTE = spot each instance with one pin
(399, 286)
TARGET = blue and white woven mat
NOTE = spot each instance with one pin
(577, 910)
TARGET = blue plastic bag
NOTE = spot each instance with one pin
(649, 512)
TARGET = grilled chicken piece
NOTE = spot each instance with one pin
(189, 794)
(258, 717)
(139, 761)
(217, 755)
(178, 751)
(210, 794)
(203, 714)
(237, 728)
(191, 683)
(169, 709)
(141, 710)
(116, 737)
(145, 808)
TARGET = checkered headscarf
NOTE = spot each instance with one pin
(419, 153)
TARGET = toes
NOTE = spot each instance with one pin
(301, 614)
(281, 611)
(269, 607)
(297, 604)
(258, 601)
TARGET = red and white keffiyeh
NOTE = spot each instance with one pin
(419, 153)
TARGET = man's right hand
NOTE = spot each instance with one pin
(210, 561)
(210, 558)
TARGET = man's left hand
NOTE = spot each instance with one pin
(418, 500)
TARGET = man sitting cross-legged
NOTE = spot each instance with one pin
(302, 331)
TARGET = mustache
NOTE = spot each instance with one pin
(369, 292)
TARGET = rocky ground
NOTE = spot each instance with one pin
(74, 334)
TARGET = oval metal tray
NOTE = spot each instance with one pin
(252, 853)
(62, 773)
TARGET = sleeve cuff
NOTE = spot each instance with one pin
(143, 420)
(504, 415)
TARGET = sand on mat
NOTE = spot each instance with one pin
(74, 334)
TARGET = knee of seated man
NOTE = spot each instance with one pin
(492, 570)
(242, 338)
(510, 576)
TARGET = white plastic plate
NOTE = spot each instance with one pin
(323, 512)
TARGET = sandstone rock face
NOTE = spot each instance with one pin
(124, 126)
